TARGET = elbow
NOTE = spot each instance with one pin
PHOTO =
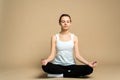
(50, 58)
(76, 56)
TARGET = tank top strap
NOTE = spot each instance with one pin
(72, 36)
(57, 36)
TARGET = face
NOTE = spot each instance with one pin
(65, 23)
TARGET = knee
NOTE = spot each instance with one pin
(45, 67)
(89, 69)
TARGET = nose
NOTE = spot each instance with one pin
(65, 23)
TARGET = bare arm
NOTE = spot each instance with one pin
(52, 52)
(78, 56)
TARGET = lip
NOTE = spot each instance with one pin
(65, 26)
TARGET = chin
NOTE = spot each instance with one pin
(65, 29)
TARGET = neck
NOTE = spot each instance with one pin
(65, 32)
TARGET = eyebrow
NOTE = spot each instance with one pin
(65, 20)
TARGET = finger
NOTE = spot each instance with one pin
(94, 62)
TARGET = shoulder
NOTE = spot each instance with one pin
(53, 37)
(75, 37)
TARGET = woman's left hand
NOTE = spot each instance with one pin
(93, 64)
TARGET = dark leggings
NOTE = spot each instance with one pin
(68, 71)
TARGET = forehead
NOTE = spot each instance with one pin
(65, 18)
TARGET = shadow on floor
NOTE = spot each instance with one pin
(43, 76)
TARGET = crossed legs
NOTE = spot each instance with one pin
(68, 71)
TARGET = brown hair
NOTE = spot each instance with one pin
(63, 16)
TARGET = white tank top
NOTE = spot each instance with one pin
(64, 49)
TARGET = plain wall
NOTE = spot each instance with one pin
(26, 27)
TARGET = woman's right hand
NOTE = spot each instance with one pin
(44, 62)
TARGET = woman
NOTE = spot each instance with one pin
(64, 48)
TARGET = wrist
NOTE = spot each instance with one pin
(87, 63)
(47, 60)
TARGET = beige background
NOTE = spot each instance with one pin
(26, 27)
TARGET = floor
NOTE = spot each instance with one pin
(100, 73)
